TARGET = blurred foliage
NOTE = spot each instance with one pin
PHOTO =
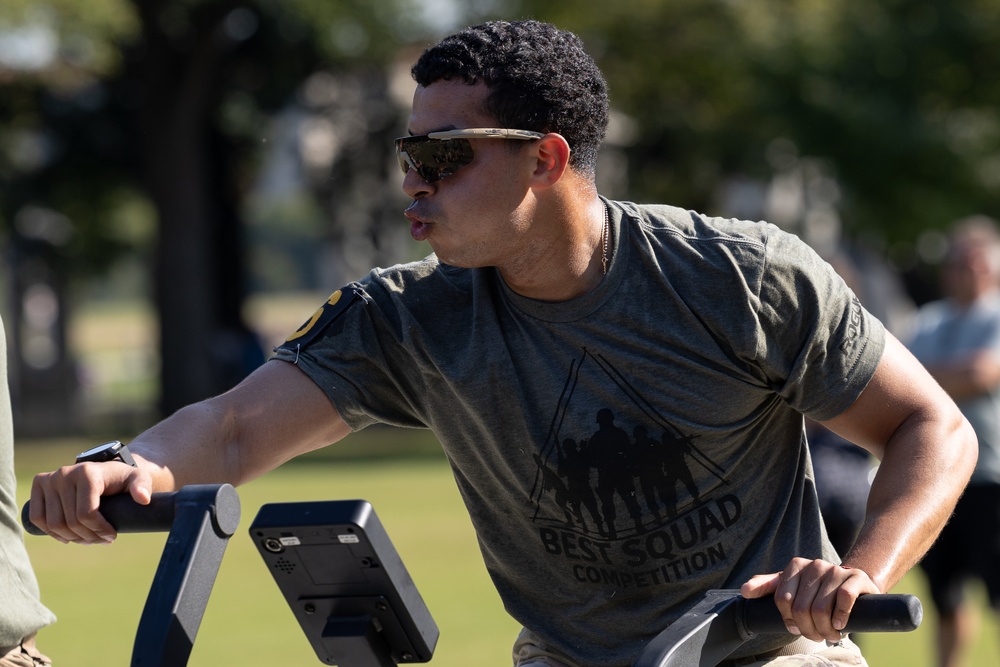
(79, 80)
(60, 139)
(215, 147)
(901, 98)
(898, 99)
(136, 129)
(85, 34)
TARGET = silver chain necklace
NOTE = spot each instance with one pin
(604, 242)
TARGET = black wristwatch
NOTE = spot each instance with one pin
(109, 451)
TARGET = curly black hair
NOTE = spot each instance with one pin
(540, 79)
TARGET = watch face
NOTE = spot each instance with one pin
(100, 448)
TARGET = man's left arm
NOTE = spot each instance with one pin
(927, 451)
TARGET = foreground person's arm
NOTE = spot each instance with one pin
(275, 414)
(927, 451)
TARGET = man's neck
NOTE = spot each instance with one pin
(565, 254)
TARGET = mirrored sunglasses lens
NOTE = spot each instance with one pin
(404, 160)
(402, 157)
(433, 159)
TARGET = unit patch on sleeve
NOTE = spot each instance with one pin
(314, 327)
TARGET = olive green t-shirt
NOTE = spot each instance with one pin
(622, 452)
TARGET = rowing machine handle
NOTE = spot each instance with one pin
(883, 612)
(127, 516)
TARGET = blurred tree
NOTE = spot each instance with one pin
(60, 166)
(888, 108)
(167, 100)
(898, 99)
(900, 96)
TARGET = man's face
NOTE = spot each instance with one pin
(470, 218)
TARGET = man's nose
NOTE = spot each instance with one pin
(414, 186)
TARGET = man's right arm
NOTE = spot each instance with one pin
(274, 415)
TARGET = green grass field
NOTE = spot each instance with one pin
(98, 592)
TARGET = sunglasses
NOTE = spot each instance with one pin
(438, 154)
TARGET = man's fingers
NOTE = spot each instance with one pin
(65, 502)
(79, 510)
(815, 597)
(805, 599)
(857, 583)
(843, 608)
(40, 515)
(824, 607)
(788, 598)
(826, 597)
(89, 523)
(140, 486)
(760, 585)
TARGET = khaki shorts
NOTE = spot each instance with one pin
(529, 651)
(805, 653)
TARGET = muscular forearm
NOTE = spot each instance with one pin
(924, 469)
(270, 417)
(196, 445)
(275, 415)
(927, 451)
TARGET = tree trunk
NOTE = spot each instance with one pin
(186, 180)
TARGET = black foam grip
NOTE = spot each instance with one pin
(125, 514)
(887, 612)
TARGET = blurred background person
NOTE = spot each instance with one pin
(22, 613)
(958, 339)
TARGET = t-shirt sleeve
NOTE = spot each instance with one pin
(345, 348)
(817, 344)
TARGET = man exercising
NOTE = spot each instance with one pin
(545, 304)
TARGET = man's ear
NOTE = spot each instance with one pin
(552, 159)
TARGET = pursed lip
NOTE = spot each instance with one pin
(420, 228)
